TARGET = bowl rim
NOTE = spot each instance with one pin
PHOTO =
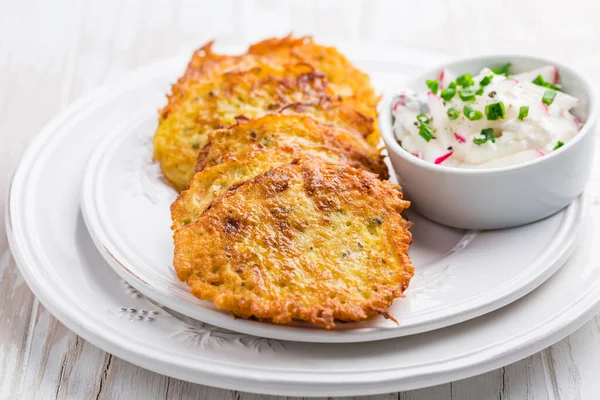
(393, 146)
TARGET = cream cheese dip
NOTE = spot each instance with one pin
(490, 120)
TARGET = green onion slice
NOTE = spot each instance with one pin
(426, 132)
(495, 111)
(448, 94)
(503, 70)
(433, 85)
(549, 96)
(465, 80)
(539, 80)
(488, 135)
(466, 94)
(559, 144)
(486, 80)
(423, 118)
(471, 113)
(453, 113)
(523, 112)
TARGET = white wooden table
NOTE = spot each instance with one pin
(51, 52)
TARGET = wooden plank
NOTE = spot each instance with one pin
(524, 380)
(572, 366)
(486, 386)
(16, 303)
(35, 69)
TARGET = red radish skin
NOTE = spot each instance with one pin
(539, 152)
(556, 75)
(459, 138)
(434, 95)
(401, 102)
(577, 123)
(443, 158)
(416, 154)
(441, 79)
(545, 107)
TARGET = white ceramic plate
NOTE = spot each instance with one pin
(61, 265)
(459, 274)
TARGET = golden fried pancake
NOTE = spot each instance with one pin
(240, 96)
(299, 131)
(309, 240)
(205, 65)
(215, 180)
(345, 79)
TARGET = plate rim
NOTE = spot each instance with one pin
(567, 321)
(124, 264)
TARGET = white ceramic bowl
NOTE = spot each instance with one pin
(500, 197)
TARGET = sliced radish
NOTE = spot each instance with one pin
(445, 78)
(549, 73)
(562, 99)
(577, 122)
(439, 119)
(539, 152)
(416, 154)
(399, 101)
(459, 137)
(443, 158)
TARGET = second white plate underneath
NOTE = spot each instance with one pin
(459, 274)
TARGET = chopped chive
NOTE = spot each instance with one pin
(503, 70)
(466, 94)
(471, 113)
(523, 112)
(448, 94)
(488, 134)
(423, 118)
(479, 92)
(426, 132)
(559, 144)
(539, 80)
(453, 113)
(465, 80)
(433, 85)
(495, 111)
(486, 80)
(548, 97)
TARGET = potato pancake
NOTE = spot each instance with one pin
(309, 240)
(346, 80)
(213, 181)
(239, 96)
(205, 65)
(300, 131)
